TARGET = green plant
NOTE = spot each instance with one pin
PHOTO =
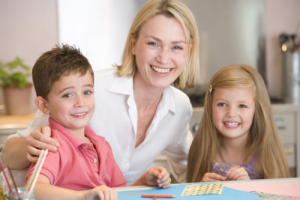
(11, 75)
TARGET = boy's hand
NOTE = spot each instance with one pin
(212, 177)
(157, 176)
(103, 192)
(39, 139)
(237, 173)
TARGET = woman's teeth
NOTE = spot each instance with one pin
(232, 124)
(78, 114)
(160, 70)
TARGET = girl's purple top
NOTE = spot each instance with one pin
(222, 168)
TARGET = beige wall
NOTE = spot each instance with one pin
(281, 16)
(28, 28)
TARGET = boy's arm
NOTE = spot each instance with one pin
(43, 190)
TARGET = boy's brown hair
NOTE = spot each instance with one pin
(52, 65)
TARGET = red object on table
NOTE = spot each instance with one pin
(154, 196)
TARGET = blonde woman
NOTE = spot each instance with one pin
(237, 137)
(139, 109)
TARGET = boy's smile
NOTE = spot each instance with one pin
(71, 101)
(233, 111)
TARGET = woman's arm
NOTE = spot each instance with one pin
(24, 147)
(14, 153)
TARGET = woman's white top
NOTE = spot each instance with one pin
(116, 116)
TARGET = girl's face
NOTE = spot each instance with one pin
(233, 112)
(161, 51)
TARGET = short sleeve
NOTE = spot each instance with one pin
(50, 167)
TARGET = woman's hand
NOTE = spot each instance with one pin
(237, 173)
(155, 176)
(103, 192)
(39, 139)
(212, 177)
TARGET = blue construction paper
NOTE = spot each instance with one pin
(227, 193)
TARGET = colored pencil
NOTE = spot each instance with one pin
(12, 178)
(6, 178)
(158, 196)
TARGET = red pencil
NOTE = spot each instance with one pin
(158, 196)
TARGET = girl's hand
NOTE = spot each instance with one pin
(237, 173)
(212, 177)
(157, 176)
(103, 192)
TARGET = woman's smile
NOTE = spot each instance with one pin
(161, 51)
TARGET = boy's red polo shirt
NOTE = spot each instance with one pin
(76, 166)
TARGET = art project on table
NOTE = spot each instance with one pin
(177, 190)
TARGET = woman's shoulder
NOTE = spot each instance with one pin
(105, 72)
(181, 99)
(104, 78)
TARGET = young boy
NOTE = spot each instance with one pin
(64, 84)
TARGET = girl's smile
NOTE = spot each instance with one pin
(233, 111)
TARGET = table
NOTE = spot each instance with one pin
(286, 187)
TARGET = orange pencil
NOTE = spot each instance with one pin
(154, 196)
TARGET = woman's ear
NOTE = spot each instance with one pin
(42, 105)
(133, 50)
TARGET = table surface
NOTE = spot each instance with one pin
(285, 187)
(282, 180)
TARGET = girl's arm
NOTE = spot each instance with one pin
(44, 190)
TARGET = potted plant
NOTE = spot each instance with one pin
(16, 88)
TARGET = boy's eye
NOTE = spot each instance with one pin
(87, 92)
(222, 104)
(242, 106)
(67, 95)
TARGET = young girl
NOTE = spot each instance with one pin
(237, 137)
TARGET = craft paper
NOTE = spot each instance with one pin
(227, 194)
(287, 189)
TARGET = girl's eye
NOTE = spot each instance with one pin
(222, 104)
(67, 95)
(242, 106)
(87, 92)
(177, 47)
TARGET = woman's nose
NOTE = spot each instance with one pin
(163, 56)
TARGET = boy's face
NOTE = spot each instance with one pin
(71, 101)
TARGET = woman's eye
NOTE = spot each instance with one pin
(243, 106)
(87, 92)
(67, 95)
(152, 43)
(222, 104)
(177, 47)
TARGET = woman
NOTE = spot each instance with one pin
(137, 110)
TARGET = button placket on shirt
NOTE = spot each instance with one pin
(91, 156)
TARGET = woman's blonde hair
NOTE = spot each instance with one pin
(263, 140)
(169, 8)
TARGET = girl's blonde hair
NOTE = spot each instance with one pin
(263, 140)
(169, 8)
